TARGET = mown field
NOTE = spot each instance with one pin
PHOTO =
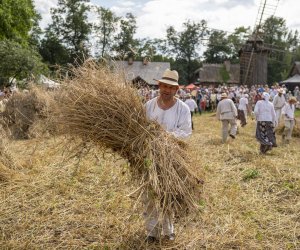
(53, 200)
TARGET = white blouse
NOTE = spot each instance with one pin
(264, 111)
(289, 111)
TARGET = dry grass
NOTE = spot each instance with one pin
(250, 201)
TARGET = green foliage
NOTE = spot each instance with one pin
(282, 43)
(224, 74)
(53, 51)
(289, 185)
(185, 47)
(218, 49)
(250, 174)
(69, 23)
(223, 47)
(125, 43)
(35, 33)
(16, 20)
(19, 62)
(105, 29)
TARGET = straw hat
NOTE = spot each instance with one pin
(293, 99)
(280, 90)
(170, 77)
(223, 95)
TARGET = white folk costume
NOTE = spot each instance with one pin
(266, 121)
(227, 113)
(289, 121)
(177, 121)
(278, 102)
(193, 107)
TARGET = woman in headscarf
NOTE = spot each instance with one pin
(266, 122)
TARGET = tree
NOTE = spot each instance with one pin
(35, 33)
(218, 49)
(69, 22)
(53, 51)
(281, 42)
(16, 20)
(235, 42)
(105, 29)
(19, 62)
(185, 47)
(125, 43)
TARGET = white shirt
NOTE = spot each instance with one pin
(226, 110)
(176, 120)
(264, 111)
(243, 103)
(192, 104)
(289, 111)
(278, 101)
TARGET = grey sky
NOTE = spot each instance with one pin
(154, 16)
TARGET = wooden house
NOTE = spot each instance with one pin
(142, 73)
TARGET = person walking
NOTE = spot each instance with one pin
(278, 102)
(174, 116)
(289, 119)
(227, 113)
(192, 105)
(243, 110)
(266, 122)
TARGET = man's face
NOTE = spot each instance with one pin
(167, 91)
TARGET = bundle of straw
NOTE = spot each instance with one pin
(98, 106)
(24, 109)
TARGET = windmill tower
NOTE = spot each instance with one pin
(254, 55)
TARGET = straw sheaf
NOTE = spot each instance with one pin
(23, 110)
(99, 106)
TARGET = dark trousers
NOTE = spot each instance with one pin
(192, 113)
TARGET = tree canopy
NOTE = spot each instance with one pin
(70, 24)
(18, 62)
(16, 20)
(72, 35)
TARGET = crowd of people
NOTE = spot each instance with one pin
(207, 97)
(257, 101)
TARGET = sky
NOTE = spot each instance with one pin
(155, 16)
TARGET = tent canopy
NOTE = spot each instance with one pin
(190, 86)
(292, 82)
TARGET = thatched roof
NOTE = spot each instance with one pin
(143, 72)
(210, 73)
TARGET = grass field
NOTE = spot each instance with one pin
(249, 201)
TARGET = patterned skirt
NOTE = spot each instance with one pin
(265, 133)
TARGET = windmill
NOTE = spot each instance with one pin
(254, 54)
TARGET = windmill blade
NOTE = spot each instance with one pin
(267, 9)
